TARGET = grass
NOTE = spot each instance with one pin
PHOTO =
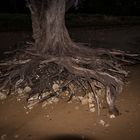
(22, 22)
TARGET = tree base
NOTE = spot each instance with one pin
(54, 74)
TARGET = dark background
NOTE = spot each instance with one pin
(105, 7)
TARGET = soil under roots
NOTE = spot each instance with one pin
(101, 71)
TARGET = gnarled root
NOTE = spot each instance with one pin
(102, 70)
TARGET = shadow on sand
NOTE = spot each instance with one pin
(69, 137)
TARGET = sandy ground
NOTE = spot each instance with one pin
(63, 121)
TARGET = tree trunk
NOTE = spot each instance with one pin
(48, 23)
(52, 39)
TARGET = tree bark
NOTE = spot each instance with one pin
(52, 39)
(48, 23)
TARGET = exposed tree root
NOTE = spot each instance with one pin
(100, 69)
